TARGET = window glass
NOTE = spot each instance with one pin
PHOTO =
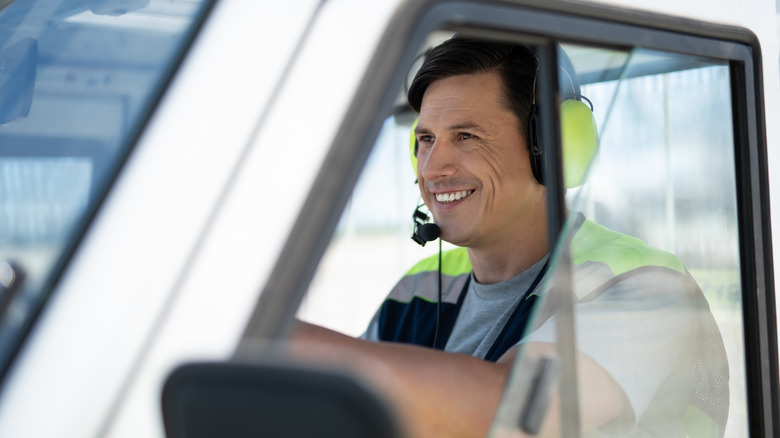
(77, 79)
(372, 247)
(651, 252)
(648, 259)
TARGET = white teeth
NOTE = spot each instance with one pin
(453, 196)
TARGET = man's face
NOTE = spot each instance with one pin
(473, 166)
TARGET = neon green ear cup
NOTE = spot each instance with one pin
(579, 138)
(413, 146)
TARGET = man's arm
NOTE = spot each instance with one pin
(437, 394)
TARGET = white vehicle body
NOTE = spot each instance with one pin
(172, 264)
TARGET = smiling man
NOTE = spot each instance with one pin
(442, 344)
(475, 175)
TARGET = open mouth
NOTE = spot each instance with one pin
(453, 196)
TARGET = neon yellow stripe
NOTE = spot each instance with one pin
(454, 262)
(622, 253)
(591, 243)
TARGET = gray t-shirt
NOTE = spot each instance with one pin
(486, 309)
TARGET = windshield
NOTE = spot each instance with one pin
(78, 78)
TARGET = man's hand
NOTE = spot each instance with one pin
(435, 394)
(438, 394)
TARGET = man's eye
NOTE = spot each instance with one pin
(466, 136)
(425, 139)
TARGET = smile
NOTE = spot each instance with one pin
(453, 196)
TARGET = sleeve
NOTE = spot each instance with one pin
(641, 331)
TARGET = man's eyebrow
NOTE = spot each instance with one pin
(421, 130)
(464, 126)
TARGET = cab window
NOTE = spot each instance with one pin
(650, 253)
(657, 263)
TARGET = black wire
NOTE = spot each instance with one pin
(438, 305)
(590, 104)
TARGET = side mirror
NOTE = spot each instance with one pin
(17, 79)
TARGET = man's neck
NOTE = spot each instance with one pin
(500, 262)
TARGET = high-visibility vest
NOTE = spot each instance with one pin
(600, 259)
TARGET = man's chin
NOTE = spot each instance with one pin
(453, 236)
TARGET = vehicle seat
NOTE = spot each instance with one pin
(271, 400)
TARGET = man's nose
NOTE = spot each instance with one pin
(439, 162)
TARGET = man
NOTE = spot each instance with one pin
(475, 175)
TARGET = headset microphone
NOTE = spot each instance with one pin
(424, 232)
(429, 232)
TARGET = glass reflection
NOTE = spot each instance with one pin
(651, 254)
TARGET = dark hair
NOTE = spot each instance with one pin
(515, 63)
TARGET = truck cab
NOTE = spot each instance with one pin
(182, 181)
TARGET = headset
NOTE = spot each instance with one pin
(579, 135)
(579, 144)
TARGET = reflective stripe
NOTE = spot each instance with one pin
(422, 280)
(425, 286)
